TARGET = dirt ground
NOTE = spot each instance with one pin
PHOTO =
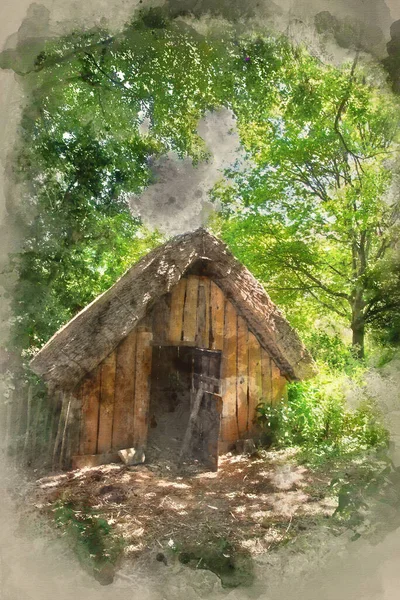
(250, 506)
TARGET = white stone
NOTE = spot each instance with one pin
(132, 456)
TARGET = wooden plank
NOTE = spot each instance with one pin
(176, 314)
(107, 391)
(190, 309)
(278, 384)
(56, 399)
(90, 391)
(266, 376)
(229, 429)
(122, 432)
(60, 428)
(142, 388)
(203, 314)
(63, 460)
(195, 407)
(207, 293)
(161, 319)
(74, 427)
(255, 379)
(242, 376)
(217, 301)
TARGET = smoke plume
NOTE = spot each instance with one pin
(178, 200)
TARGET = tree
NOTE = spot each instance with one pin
(319, 138)
(315, 213)
(81, 152)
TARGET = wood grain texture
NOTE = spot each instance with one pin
(229, 428)
(176, 314)
(203, 314)
(266, 376)
(74, 427)
(217, 301)
(142, 387)
(255, 379)
(122, 436)
(82, 344)
(190, 309)
(107, 390)
(279, 382)
(161, 319)
(90, 392)
(242, 376)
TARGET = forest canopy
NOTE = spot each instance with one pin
(314, 216)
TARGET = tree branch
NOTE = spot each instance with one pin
(321, 285)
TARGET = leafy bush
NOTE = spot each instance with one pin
(317, 419)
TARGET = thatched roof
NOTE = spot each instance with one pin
(91, 335)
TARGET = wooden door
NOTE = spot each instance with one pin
(206, 409)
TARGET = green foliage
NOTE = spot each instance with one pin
(81, 153)
(316, 419)
(308, 218)
(91, 537)
(330, 350)
(311, 218)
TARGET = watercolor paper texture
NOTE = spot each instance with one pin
(199, 219)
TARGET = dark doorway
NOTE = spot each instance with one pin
(177, 374)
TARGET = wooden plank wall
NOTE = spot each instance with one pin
(115, 398)
(197, 313)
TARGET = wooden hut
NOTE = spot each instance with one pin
(186, 339)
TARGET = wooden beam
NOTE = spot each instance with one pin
(122, 435)
(107, 390)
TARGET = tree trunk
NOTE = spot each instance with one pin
(358, 329)
(359, 259)
(358, 324)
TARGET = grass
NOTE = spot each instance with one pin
(97, 547)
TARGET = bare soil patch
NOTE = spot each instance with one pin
(211, 520)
